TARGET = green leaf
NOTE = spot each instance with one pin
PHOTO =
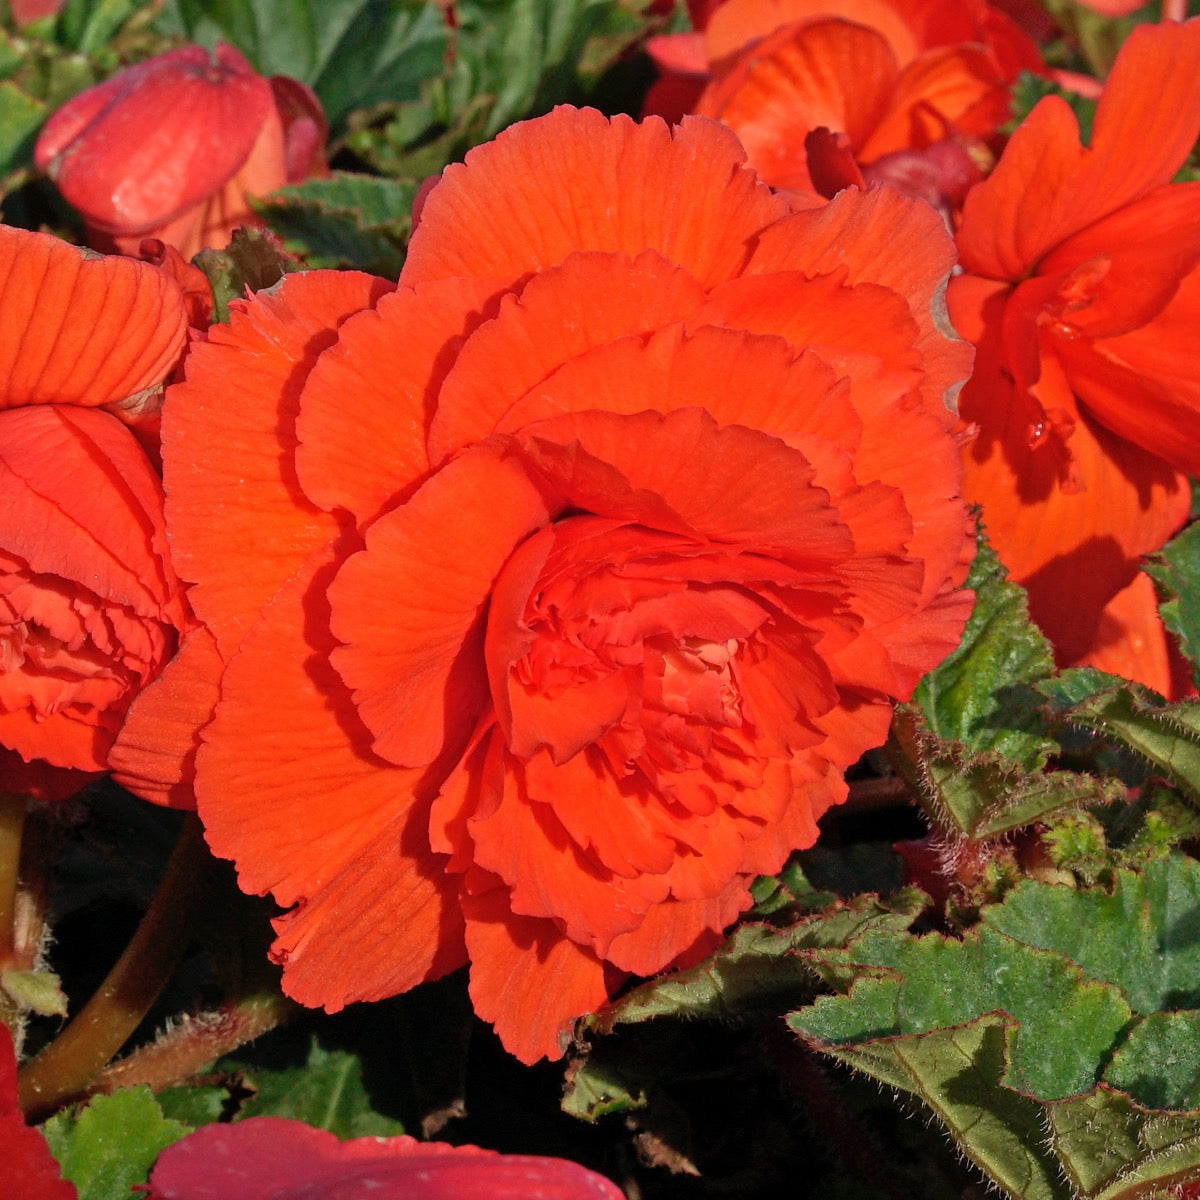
(344, 221)
(111, 1144)
(957, 1073)
(1143, 936)
(90, 25)
(197, 1105)
(1158, 1064)
(1065, 1026)
(327, 1093)
(21, 116)
(1111, 1150)
(1176, 570)
(756, 971)
(1167, 735)
(980, 695)
(353, 53)
(983, 795)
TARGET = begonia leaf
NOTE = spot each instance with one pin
(1176, 570)
(1110, 1149)
(1158, 1064)
(1167, 735)
(1065, 1025)
(327, 1092)
(757, 970)
(957, 1072)
(353, 53)
(982, 795)
(111, 1144)
(344, 220)
(1143, 935)
(980, 695)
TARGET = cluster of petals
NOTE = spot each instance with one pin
(90, 607)
(554, 589)
(826, 95)
(174, 148)
(1080, 289)
(271, 1158)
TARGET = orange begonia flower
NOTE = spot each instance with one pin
(1081, 291)
(825, 95)
(89, 605)
(555, 589)
(174, 147)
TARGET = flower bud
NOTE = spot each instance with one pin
(173, 148)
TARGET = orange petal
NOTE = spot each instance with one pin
(1047, 187)
(410, 606)
(679, 933)
(332, 828)
(240, 523)
(576, 180)
(564, 311)
(736, 23)
(87, 331)
(884, 238)
(527, 979)
(824, 74)
(390, 362)
(155, 753)
(1130, 640)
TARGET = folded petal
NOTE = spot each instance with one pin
(80, 330)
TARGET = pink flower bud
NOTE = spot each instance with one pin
(173, 147)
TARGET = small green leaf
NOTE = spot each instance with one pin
(34, 991)
(595, 1089)
(344, 221)
(90, 25)
(1168, 735)
(756, 971)
(253, 261)
(21, 116)
(327, 1093)
(197, 1105)
(1176, 570)
(980, 695)
(110, 1146)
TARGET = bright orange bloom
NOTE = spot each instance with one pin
(174, 147)
(1082, 293)
(90, 608)
(556, 588)
(825, 95)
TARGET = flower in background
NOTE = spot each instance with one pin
(30, 1172)
(556, 588)
(827, 95)
(1081, 291)
(90, 609)
(272, 1158)
(174, 147)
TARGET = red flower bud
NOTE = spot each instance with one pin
(173, 147)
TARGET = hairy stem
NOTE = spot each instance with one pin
(63, 1070)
